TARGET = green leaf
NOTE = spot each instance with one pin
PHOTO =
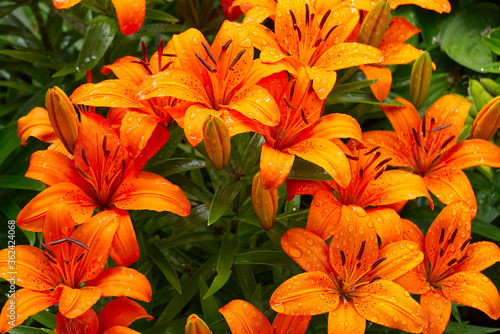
(209, 305)
(9, 139)
(160, 15)
(224, 263)
(32, 57)
(479, 95)
(68, 69)
(252, 154)
(46, 318)
(462, 41)
(29, 330)
(246, 279)
(486, 230)
(20, 182)
(224, 195)
(359, 96)
(456, 328)
(162, 261)
(176, 165)
(267, 257)
(5, 10)
(492, 41)
(350, 86)
(101, 32)
(305, 170)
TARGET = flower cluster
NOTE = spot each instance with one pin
(361, 259)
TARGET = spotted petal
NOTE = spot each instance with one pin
(36, 124)
(121, 312)
(244, 318)
(307, 249)
(345, 320)
(470, 153)
(123, 282)
(324, 214)
(74, 302)
(274, 166)
(437, 309)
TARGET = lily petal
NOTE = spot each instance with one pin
(313, 291)
(121, 312)
(392, 146)
(403, 119)
(86, 323)
(289, 324)
(148, 191)
(64, 4)
(256, 103)
(244, 318)
(396, 53)
(440, 6)
(324, 214)
(399, 30)
(75, 302)
(127, 68)
(194, 121)
(130, 14)
(415, 281)
(387, 224)
(51, 167)
(381, 88)
(136, 129)
(187, 45)
(345, 320)
(120, 330)
(108, 93)
(26, 302)
(36, 124)
(438, 310)
(323, 80)
(347, 55)
(274, 166)
(388, 304)
(124, 249)
(469, 153)
(333, 126)
(264, 40)
(123, 282)
(473, 289)
(482, 255)
(401, 257)
(327, 155)
(307, 249)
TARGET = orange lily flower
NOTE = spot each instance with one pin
(114, 317)
(372, 188)
(69, 271)
(351, 279)
(130, 13)
(487, 121)
(136, 119)
(244, 318)
(220, 80)
(454, 271)
(302, 132)
(256, 11)
(102, 176)
(311, 35)
(429, 147)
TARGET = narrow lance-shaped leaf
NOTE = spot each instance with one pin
(224, 195)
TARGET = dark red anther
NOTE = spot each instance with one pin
(323, 20)
(379, 261)
(466, 242)
(237, 58)
(342, 256)
(361, 250)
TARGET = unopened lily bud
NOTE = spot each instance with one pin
(265, 203)
(63, 117)
(420, 80)
(487, 121)
(375, 24)
(217, 142)
(195, 325)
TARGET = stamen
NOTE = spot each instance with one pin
(235, 60)
(466, 242)
(77, 242)
(378, 174)
(342, 255)
(374, 278)
(66, 261)
(116, 151)
(452, 238)
(169, 54)
(372, 150)
(310, 86)
(159, 51)
(463, 258)
(441, 127)
(416, 137)
(204, 62)
(452, 262)
(330, 31)
(80, 257)
(307, 14)
(84, 157)
(49, 258)
(446, 142)
(350, 157)
(224, 48)
(303, 114)
(57, 242)
(292, 89)
(124, 165)
(85, 175)
(104, 143)
(318, 42)
(144, 64)
(379, 261)
(299, 33)
(323, 20)
(47, 248)
(144, 51)
(89, 76)
(207, 49)
(441, 237)
(423, 125)
(294, 20)
(289, 104)
(383, 162)
(441, 252)
(361, 172)
(361, 250)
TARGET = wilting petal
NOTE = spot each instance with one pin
(394, 186)
(127, 68)
(345, 320)
(36, 124)
(123, 282)
(327, 155)
(51, 167)
(451, 184)
(403, 119)
(64, 4)
(391, 146)
(381, 88)
(473, 289)
(481, 255)
(307, 249)
(194, 120)
(148, 191)
(121, 312)
(86, 323)
(80, 205)
(108, 93)
(96, 233)
(387, 224)
(446, 236)
(74, 302)
(324, 214)
(289, 324)
(314, 291)
(440, 6)
(469, 153)
(386, 303)
(274, 166)
(26, 302)
(130, 14)
(124, 249)
(438, 310)
(354, 246)
(32, 269)
(333, 126)
(244, 318)
(256, 103)
(401, 257)
(136, 129)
